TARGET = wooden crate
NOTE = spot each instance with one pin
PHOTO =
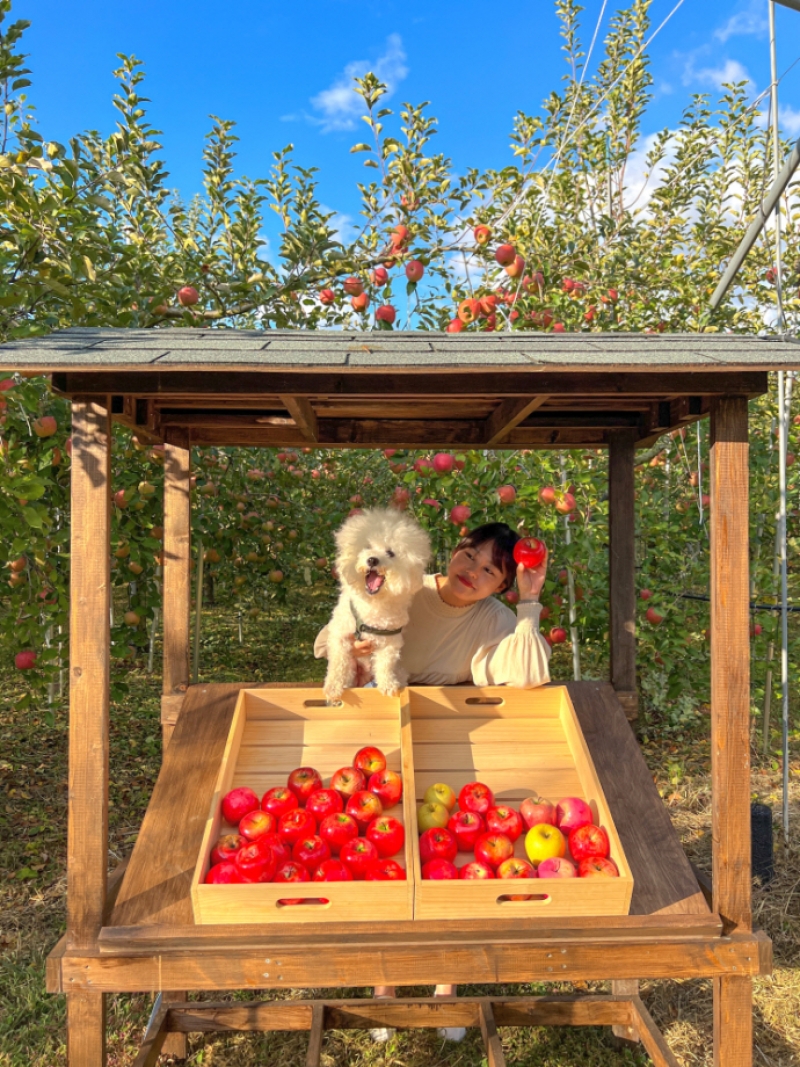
(517, 742)
(272, 732)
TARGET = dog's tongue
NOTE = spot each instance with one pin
(374, 581)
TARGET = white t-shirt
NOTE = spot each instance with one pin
(485, 643)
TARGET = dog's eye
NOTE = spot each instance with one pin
(389, 553)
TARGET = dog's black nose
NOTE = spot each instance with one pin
(372, 561)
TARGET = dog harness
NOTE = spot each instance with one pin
(362, 628)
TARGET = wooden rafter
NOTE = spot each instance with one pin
(303, 414)
(507, 415)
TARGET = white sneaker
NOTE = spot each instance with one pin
(452, 1033)
(381, 1034)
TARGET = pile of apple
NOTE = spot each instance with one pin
(561, 840)
(303, 832)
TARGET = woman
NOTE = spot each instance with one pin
(459, 633)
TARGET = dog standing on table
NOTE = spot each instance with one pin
(381, 556)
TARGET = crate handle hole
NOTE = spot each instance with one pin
(319, 703)
(485, 700)
(528, 898)
(290, 902)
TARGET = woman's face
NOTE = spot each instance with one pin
(472, 576)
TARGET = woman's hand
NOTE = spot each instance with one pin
(530, 580)
(363, 646)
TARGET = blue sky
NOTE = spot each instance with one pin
(283, 71)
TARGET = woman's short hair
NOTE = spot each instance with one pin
(502, 539)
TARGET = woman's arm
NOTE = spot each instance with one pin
(517, 656)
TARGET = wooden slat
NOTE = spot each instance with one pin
(90, 585)
(86, 1028)
(314, 1050)
(177, 567)
(622, 561)
(651, 1037)
(154, 1037)
(491, 1039)
(303, 414)
(730, 663)
(507, 415)
(662, 876)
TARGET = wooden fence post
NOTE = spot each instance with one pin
(730, 716)
(177, 575)
(622, 569)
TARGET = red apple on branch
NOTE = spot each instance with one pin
(353, 286)
(460, 514)
(385, 313)
(468, 311)
(414, 270)
(327, 297)
(25, 661)
(505, 254)
(506, 494)
(443, 462)
(482, 234)
(188, 296)
(454, 326)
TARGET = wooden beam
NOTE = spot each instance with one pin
(733, 1021)
(626, 1033)
(622, 563)
(90, 646)
(154, 1037)
(303, 414)
(177, 567)
(314, 1050)
(651, 1037)
(491, 1038)
(507, 415)
(86, 1028)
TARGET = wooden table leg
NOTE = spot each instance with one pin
(315, 1035)
(733, 1022)
(625, 987)
(175, 1045)
(491, 1039)
(86, 1029)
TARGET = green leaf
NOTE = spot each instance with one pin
(33, 518)
(25, 872)
(361, 148)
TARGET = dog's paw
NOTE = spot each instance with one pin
(391, 691)
(333, 696)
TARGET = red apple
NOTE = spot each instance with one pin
(506, 494)
(332, 871)
(493, 849)
(369, 761)
(256, 824)
(291, 871)
(516, 267)
(353, 286)
(438, 870)
(238, 803)
(588, 842)
(505, 254)
(437, 844)
(24, 661)
(557, 867)
(645, 594)
(357, 855)
(360, 302)
(311, 851)
(414, 270)
(466, 827)
(279, 801)
(324, 802)
(187, 296)
(337, 830)
(364, 807)
(468, 311)
(567, 502)
(347, 781)
(226, 848)
(280, 850)
(443, 462)
(385, 871)
(379, 276)
(598, 867)
(385, 313)
(454, 326)
(459, 514)
(514, 867)
(296, 824)
(572, 812)
(303, 782)
(529, 551)
(653, 616)
(45, 426)
(482, 234)
(504, 820)
(399, 235)
(224, 874)
(475, 871)
(387, 835)
(477, 797)
(534, 810)
(327, 297)
(558, 635)
(256, 861)
(387, 786)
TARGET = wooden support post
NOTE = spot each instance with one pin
(622, 569)
(730, 717)
(177, 573)
(90, 657)
(491, 1038)
(314, 1050)
(626, 1034)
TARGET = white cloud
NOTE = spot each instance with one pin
(790, 120)
(344, 229)
(751, 22)
(640, 181)
(730, 70)
(339, 106)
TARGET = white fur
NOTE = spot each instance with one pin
(388, 543)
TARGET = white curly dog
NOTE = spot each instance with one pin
(381, 556)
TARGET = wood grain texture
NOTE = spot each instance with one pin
(314, 1050)
(507, 415)
(733, 1021)
(622, 561)
(177, 567)
(154, 1038)
(90, 589)
(86, 1028)
(730, 663)
(651, 1037)
(304, 416)
(626, 1032)
(491, 1038)
(662, 876)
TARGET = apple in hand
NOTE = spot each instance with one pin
(332, 871)
(598, 867)
(303, 782)
(504, 820)
(529, 551)
(535, 809)
(279, 801)
(387, 786)
(224, 873)
(226, 848)
(238, 803)
(337, 830)
(440, 793)
(257, 823)
(544, 842)
(437, 844)
(357, 855)
(440, 869)
(370, 760)
(557, 867)
(324, 802)
(296, 824)
(492, 849)
(475, 871)
(432, 815)
(588, 842)
(466, 827)
(572, 812)
(385, 871)
(364, 807)
(477, 797)
(387, 835)
(311, 851)
(347, 781)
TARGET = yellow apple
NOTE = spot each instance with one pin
(440, 794)
(543, 842)
(431, 816)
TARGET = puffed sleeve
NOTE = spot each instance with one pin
(321, 644)
(519, 658)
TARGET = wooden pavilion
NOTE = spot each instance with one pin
(134, 930)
